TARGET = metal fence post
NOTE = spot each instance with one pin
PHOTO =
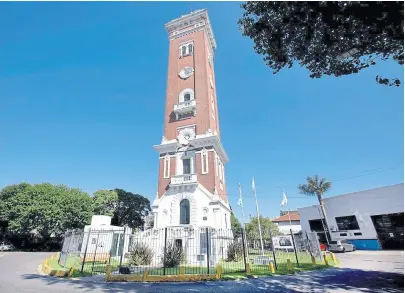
(208, 252)
(95, 252)
(85, 250)
(273, 249)
(244, 249)
(164, 254)
(68, 248)
(122, 248)
(308, 244)
(295, 249)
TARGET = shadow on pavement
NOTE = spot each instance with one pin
(331, 280)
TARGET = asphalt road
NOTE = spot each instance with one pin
(377, 272)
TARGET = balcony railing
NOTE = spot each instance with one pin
(185, 107)
(183, 179)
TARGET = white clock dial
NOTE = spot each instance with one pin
(186, 72)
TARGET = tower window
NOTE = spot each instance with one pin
(204, 162)
(186, 49)
(185, 212)
(186, 166)
(166, 167)
(186, 95)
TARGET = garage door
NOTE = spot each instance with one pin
(390, 230)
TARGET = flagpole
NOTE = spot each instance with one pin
(258, 215)
(243, 218)
(288, 209)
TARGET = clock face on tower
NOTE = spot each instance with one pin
(186, 72)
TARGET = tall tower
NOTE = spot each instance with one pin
(191, 181)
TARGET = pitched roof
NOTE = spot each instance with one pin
(285, 218)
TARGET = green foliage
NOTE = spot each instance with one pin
(252, 229)
(315, 186)
(235, 251)
(174, 255)
(44, 210)
(131, 209)
(141, 254)
(104, 202)
(328, 38)
(236, 226)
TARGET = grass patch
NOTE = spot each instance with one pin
(230, 270)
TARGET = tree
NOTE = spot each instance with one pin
(316, 186)
(236, 227)
(252, 228)
(131, 209)
(328, 38)
(41, 212)
(104, 202)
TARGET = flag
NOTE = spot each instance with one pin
(253, 184)
(284, 201)
(240, 201)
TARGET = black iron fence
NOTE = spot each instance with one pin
(183, 250)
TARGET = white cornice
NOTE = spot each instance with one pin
(186, 24)
(202, 140)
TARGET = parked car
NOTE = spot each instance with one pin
(6, 247)
(341, 246)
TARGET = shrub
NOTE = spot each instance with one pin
(235, 251)
(174, 255)
(141, 254)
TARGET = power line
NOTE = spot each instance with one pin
(279, 189)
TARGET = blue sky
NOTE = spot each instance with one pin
(82, 93)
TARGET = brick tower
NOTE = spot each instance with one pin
(191, 181)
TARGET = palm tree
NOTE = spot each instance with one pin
(318, 187)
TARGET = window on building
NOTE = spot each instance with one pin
(204, 162)
(93, 240)
(347, 223)
(187, 97)
(316, 225)
(166, 167)
(204, 218)
(186, 50)
(357, 233)
(185, 212)
(178, 243)
(186, 166)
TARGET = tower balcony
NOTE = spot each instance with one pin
(184, 108)
(183, 179)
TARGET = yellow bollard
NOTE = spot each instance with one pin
(72, 269)
(52, 256)
(272, 270)
(289, 264)
(107, 273)
(181, 270)
(46, 261)
(219, 271)
(333, 257)
(57, 255)
(145, 276)
(248, 268)
(313, 260)
(325, 259)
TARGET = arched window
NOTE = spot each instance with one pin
(187, 97)
(185, 211)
